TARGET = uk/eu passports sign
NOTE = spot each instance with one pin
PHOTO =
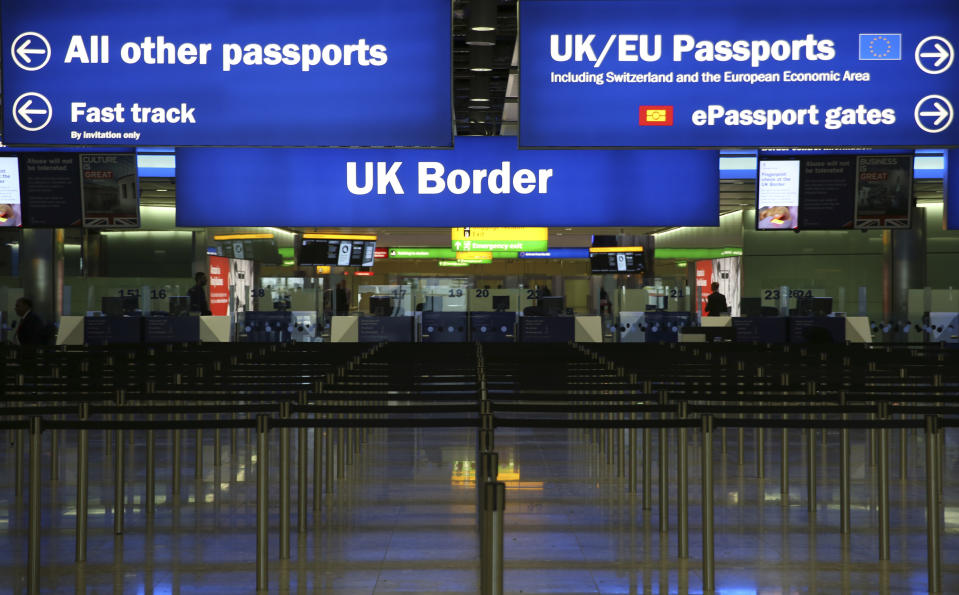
(738, 73)
(222, 72)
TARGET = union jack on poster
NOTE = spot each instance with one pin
(111, 221)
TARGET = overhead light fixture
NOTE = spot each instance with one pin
(479, 89)
(481, 58)
(483, 15)
(244, 236)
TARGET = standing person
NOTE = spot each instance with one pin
(605, 307)
(342, 301)
(716, 302)
(30, 330)
(197, 293)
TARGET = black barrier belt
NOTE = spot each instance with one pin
(837, 424)
(399, 422)
(817, 409)
(183, 424)
(182, 409)
(38, 410)
(362, 409)
(566, 408)
(15, 424)
(509, 422)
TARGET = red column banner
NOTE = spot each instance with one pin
(219, 285)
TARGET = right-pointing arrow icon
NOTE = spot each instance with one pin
(941, 55)
(937, 107)
(941, 112)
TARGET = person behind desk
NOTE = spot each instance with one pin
(716, 302)
(30, 328)
(198, 302)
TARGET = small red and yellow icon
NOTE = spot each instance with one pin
(655, 115)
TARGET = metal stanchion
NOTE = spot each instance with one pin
(491, 557)
(903, 454)
(317, 467)
(682, 488)
(328, 456)
(709, 570)
(33, 546)
(18, 468)
(150, 495)
(621, 449)
(262, 503)
(784, 468)
(632, 457)
(83, 443)
(55, 453)
(216, 443)
(340, 455)
(811, 471)
(284, 484)
(883, 488)
(663, 478)
(302, 460)
(177, 444)
(844, 483)
(933, 511)
(198, 455)
(118, 480)
(760, 450)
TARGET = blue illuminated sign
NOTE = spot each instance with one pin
(485, 181)
(738, 73)
(558, 253)
(218, 72)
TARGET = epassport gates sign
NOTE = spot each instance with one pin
(671, 73)
(222, 72)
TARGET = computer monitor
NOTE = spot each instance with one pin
(501, 303)
(751, 307)
(814, 306)
(381, 305)
(119, 306)
(552, 305)
(180, 305)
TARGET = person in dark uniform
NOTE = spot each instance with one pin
(31, 327)
(197, 293)
(716, 302)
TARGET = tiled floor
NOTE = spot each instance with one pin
(403, 520)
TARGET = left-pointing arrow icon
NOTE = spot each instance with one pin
(29, 105)
(30, 51)
(25, 112)
(24, 51)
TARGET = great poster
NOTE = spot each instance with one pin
(883, 191)
(738, 73)
(109, 190)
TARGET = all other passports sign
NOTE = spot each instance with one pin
(222, 72)
(485, 181)
(671, 73)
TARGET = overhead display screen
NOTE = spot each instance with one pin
(834, 191)
(485, 181)
(11, 214)
(616, 260)
(343, 252)
(778, 191)
(736, 73)
(219, 72)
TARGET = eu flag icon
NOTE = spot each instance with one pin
(880, 46)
